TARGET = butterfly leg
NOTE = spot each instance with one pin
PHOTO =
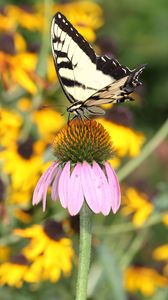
(80, 115)
(69, 118)
(87, 117)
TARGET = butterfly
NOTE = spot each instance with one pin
(88, 80)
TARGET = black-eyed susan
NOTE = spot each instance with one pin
(126, 141)
(22, 215)
(144, 280)
(23, 162)
(12, 42)
(19, 197)
(10, 125)
(6, 24)
(5, 253)
(12, 273)
(165, 219)
(24, 104)
(137, 205)
(18, 69)
(47, 128)
(81, 171)
(49, 251)
(31, 19)
(161, 253)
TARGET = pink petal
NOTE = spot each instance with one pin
(90, 187)
(104, 192)
(37, 195)
(63, 185)
(114, 187)
(54, 191)
(47, 183)
(75, 193)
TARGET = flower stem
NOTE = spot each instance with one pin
(41, 68)
(84, 252)
(146, 151)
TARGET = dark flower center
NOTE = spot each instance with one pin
(25, 149)
(54, 230)
(7, 44)
(20, 259)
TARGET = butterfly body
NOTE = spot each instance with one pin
(88, 80)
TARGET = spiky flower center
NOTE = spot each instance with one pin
(82, 141)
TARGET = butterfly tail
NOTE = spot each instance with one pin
(133, 79)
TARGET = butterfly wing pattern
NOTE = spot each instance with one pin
(88, 80)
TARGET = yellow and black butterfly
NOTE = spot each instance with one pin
(87, 79)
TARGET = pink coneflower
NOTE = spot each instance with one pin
(81, 171)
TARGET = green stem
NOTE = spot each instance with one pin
(84, 252)
(42, 63)
(146, 151)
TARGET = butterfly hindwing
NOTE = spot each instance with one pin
(117, 91)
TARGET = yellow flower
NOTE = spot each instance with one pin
(48, 122)
(6, 24)
(165, 219)
(12, 273)
(86, 21)
(12, 42)
(126, 141)
(24, 104)
(20, 44)
(51, 73)
(49, 251)
(138, 205)
(20, 197)
(29, 20)
(161, 252)
(5, 252)
(22, 215)
(10, 124)
(23, 163)
(19, 69)
(145, 280)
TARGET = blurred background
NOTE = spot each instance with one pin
(39, 251)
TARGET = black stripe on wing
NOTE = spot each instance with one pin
(58, 54)
(67, 27)
(65, 64)
(112, 67)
